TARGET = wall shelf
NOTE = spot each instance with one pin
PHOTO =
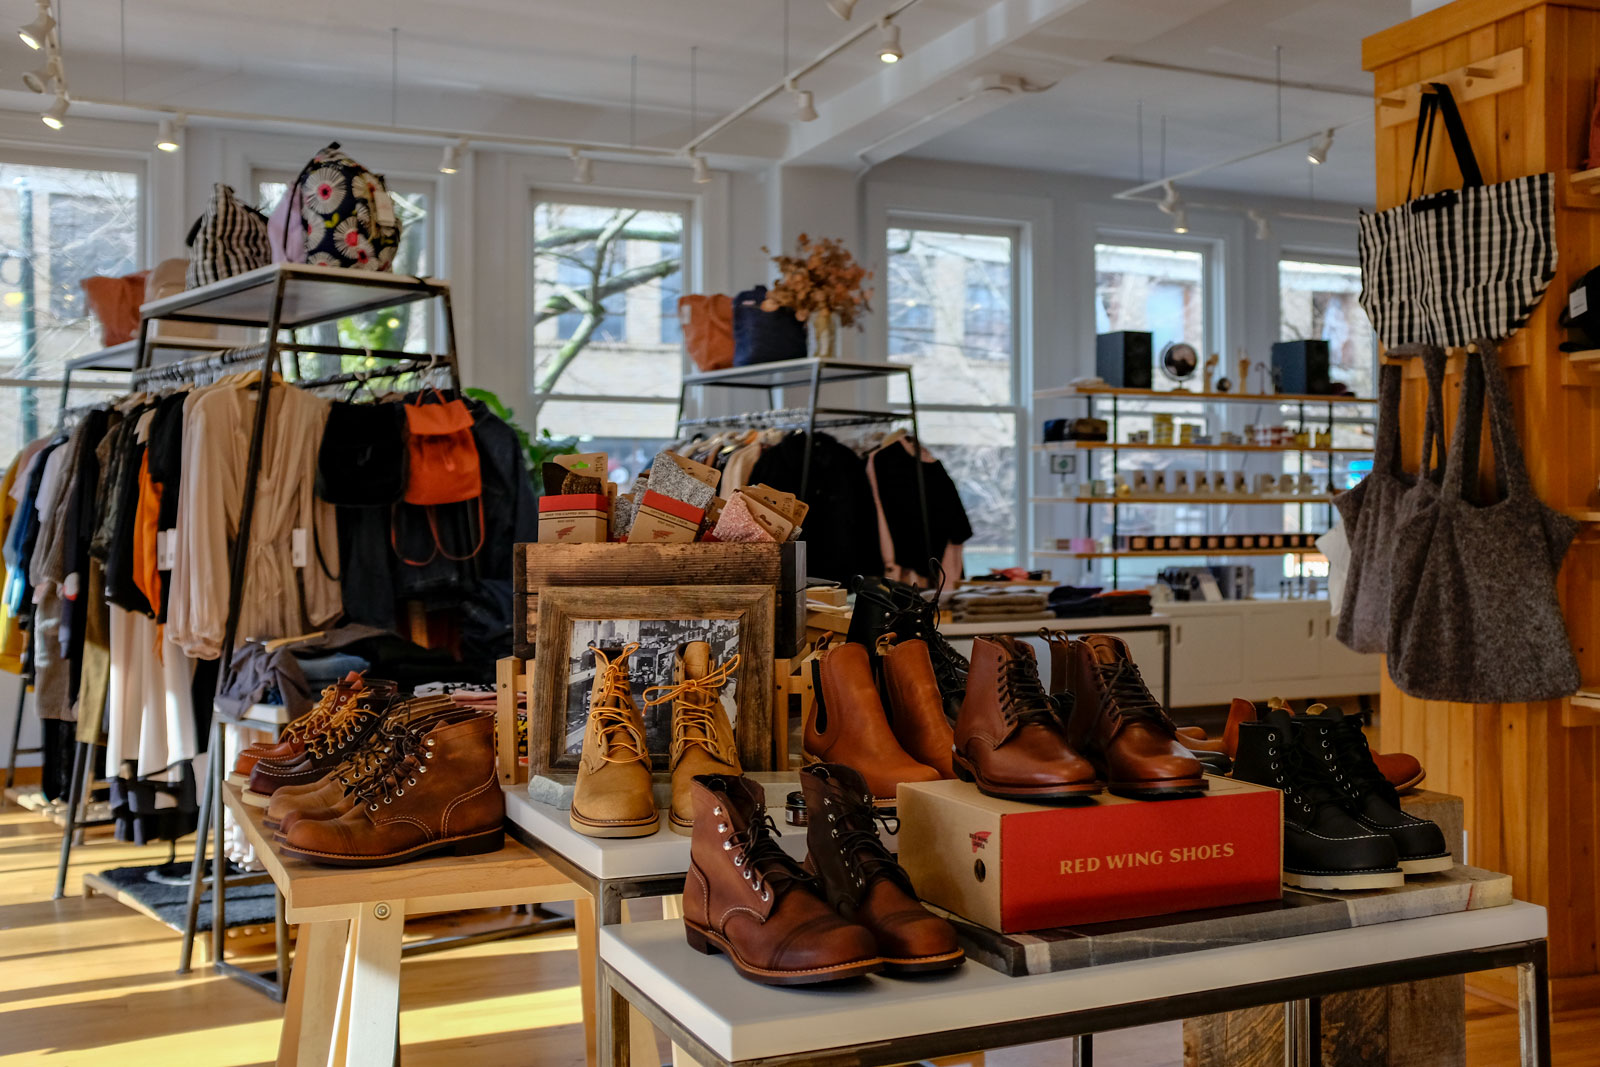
(1069, 391)
(1108, 446)
(1165, 553)
(1189, 498)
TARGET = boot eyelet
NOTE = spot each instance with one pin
(766, 896)
(722, 827)
(716, 811)
(372, 807)
(1274, 766)
(738, 861)
(747, 874)
(727, 846)
(833, 833)
(387, 800)
(411, 781)
(399, 792)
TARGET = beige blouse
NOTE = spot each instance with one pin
(279, 599)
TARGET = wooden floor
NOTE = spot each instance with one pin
(92, 982)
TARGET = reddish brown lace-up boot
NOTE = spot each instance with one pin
(748, 898)
(863, 882)
(292, 741)
(1009, 739)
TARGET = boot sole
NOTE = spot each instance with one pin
(1363, 880)
(924, 964)
(1427, 864)
(1178, 787)
(1412, 784)
(614, 829)
(684, 828)
(477, 844)
(238, 781)
(967, 773)
(254, 799)
(705, 941)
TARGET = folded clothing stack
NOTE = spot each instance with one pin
(999, 605)
(1074, 602)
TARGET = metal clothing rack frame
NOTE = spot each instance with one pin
(273, 299)
(812, 375)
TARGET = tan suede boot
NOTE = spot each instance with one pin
(702, 737)
(612, 798)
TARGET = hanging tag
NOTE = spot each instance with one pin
(297, 547)
(1578, 302)
(166, 549)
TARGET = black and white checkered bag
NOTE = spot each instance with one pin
(1454, 266)
(230, 238)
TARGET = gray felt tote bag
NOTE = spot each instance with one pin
(1474, 616)
(1373, 507)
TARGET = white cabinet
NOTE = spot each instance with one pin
(1347, 672)
(1206, 661)
(1282, 645)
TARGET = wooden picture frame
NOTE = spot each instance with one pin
(555, 716)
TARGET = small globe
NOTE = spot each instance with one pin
(1179, 360)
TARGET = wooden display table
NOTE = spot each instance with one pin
(344, 990)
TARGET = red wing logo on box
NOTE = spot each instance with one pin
(979, 839)
(563, 532)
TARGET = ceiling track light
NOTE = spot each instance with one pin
(37, 32)
(702, 171)
(39, 80)
(842, 8)
(56, 117)
(1180, 220)
(582, 167)
(450, 162)
(1318, 152)
(805, 106)
(167, 133)
(889, 41)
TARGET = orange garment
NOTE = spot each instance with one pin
(146, 524)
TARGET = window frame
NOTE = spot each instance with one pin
(1021, 234)
(689, 245)
(1312, 254)
(1212, 258)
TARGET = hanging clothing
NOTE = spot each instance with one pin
(14, 484)
(839, 528)
(892, 471)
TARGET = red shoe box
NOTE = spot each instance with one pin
(1014, 867)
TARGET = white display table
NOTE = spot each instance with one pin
(723, 1019)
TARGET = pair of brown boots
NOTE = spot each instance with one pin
(850, 910)
(904, 738)
(424, 782)
(614, 796)
(1099, 726)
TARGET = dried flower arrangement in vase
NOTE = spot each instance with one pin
(820, 284)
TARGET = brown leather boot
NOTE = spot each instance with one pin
(747, 897)
(916, 708)
(849, 725)
(863, 882)
(1113, 720)
(336, 792)
(295, 736)
(702, 737)
(443, 795)
(1009, 739)
(345, 734)
(613, 797)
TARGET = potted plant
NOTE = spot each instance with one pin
(821, 284)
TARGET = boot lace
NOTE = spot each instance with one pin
(1123, 692)
(409, 760)
(1022, 696)
(920, 618)
(1348, 760)
(612, 710)
(855, 827)
(342, 728)
(696, 709)
(312, 722)
(764, 862)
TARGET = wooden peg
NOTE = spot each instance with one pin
(1480, 72)
(1391, 101)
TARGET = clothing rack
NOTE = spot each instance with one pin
(812, 375)
(793, 419)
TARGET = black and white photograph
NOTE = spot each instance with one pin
(651, 664)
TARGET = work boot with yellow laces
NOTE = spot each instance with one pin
(613, 797)
(294, 737)
(702, 737)
(345, 734)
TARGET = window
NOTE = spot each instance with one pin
(58, 225)
(1160, 290)
(1320, 300)
(409, 327)
(607, 345)
(952, 315)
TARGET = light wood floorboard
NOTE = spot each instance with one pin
(92, 982)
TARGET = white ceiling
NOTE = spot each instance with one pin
(544, 67)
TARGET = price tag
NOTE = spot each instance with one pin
(1578, 302)
(166, 549)
(297, 546)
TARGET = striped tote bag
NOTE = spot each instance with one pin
(230, 238)
(1455, 266)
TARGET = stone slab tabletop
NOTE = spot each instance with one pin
(1459, 889)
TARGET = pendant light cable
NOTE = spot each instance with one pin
(394, 75)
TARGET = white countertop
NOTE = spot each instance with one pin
(740, 1020)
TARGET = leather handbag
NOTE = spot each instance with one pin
(443, 456)
(1474, 615)
(1452, 266)
(1373, 507)
(764, 336)
(707, 330)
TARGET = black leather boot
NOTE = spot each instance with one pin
(1324, 847)
(886, 606)
(1338, 742)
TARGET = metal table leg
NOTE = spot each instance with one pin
(1533, 1008)
(197, 868)
(82, 768)
(16, 733)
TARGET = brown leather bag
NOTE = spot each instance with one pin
(707, 329)
(443, 455)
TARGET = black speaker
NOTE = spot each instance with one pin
(1122, 359)
(1301, 367)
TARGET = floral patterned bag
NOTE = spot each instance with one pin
(349, 216)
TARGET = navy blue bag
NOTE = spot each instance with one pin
(764, 336)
